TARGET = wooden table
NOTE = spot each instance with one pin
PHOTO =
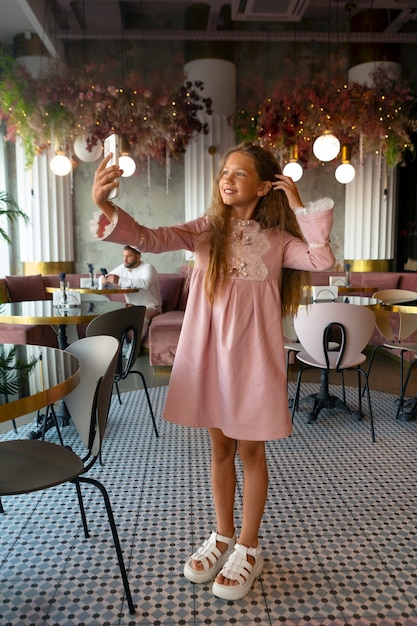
(104, 291)
(55, 374)
(44, 312)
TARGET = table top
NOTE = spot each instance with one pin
(403, 307)
(54, 375)
(44, 312)
(347, 299)
(345, 289)
(105, 291)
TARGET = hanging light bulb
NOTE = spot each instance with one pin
(60, 164)
(126, 162)
(326, 147)
(293, 169)
(345, 173)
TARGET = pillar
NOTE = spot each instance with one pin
(370, 200)
(211, 63)
(46, 243)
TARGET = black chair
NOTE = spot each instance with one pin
(126, 325)
(31, 465)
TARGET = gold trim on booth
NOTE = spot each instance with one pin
(31, 268)
(376, 265)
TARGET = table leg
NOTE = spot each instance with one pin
(323, 399)
(62, 336)
(46, 422)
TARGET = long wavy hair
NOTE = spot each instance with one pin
(272, 210)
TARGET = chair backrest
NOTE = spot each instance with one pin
(311, 322)
(88, 404)
(119, 324)
(408, 325)
(385, 322)
(395, 296)
(288, 328)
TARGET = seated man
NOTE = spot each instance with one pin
(135, 273)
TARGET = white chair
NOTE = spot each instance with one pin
(291, 344)
(396, 337)
(351, 326)
(395, 296)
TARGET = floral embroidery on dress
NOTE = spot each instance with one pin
(248, 243)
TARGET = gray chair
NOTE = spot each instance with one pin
(126, 325)
(31, 465)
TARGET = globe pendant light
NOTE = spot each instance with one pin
(345, 173)
(293, 169)
(60, 164)
(126, 163)
(326, 147)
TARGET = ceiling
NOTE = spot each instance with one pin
(59, 21)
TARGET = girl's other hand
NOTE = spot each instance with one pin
(288, 186)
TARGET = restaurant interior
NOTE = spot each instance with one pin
(330, 87)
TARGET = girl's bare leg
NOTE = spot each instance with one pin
(223, 477)
(255, 488)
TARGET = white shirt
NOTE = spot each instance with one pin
(145, 278)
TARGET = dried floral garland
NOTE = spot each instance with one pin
(157, 121)
(380, 119)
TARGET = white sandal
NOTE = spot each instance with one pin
(238, 568)
(210, 557)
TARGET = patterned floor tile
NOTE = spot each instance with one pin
(338, 533)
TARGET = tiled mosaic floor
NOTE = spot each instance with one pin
(339, 531)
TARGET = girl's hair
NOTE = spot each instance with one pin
(272, 210)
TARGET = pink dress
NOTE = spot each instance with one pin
(229, 370)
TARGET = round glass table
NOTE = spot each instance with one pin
(51, 375)
(45, 312)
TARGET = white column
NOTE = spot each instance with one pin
(47, 200)
(219, 78)
(370, 200)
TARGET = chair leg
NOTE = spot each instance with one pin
(371, 362)
(145, 387)
(50, 408)
(368, 397)
(404, 389)
(14, 426)
(115, 534)
(1, 507)
(82, 509)
(116, 384)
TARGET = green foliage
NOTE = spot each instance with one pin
(11, 210)
(11, 370)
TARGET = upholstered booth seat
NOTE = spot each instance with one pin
(164, 333)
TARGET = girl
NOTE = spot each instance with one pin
(253, 251)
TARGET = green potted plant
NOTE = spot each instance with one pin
(11, 368)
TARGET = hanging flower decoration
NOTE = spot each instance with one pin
(378, 119)
(53, 111)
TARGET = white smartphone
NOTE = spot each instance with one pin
(111, 144)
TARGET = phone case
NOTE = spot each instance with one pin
(111, 144)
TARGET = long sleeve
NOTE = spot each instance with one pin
(315, 220)
(125, 230)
